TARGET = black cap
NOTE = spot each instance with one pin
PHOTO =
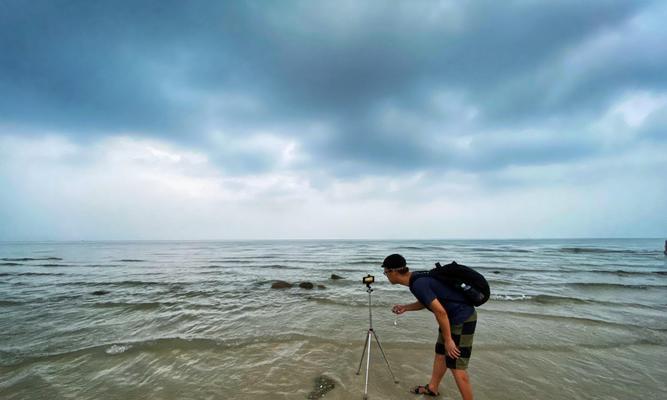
(394, 261)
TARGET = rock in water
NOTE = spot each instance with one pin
(281, 285)
(334, 277)
(306, 285)
(323, 384)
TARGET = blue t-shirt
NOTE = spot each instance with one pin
(426, 289)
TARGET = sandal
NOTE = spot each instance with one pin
(425, 390)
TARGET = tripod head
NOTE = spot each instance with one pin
(368, 280)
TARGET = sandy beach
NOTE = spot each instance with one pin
(200, 321)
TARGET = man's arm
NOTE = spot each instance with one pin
(401, 308)
(443, 321)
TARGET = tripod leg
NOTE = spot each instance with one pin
(368, 364)
(384, 356)
(366, 341)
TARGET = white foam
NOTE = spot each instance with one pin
(511, 297)
(117, 348)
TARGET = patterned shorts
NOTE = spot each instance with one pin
(463, 336)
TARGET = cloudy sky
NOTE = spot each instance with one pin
(336, 119)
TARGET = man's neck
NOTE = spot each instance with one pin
(405, 279)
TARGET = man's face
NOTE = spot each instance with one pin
(390, 274)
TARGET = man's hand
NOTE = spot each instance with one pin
(443, 321)
(401, 308)
(398, 309)
(451, 349)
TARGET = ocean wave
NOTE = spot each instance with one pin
(544, 299)
(242, 258)
(568, 348)
(499, 250)
(32, 259)
(572, 318)
(496, 256)
(601, 285)
(65, 297)
(278, 266)
(133, 260)
(133, 306)
(409, 248)
(137, 283)
(599, 250)
(10, 264)
(127, 283)
(210, 271)
(194, 293)
(606, 285)
(158, 345)
(484, 249)
(117, 349)
(497, 269)
(624, 272)
(40, 274)
(346, 303)
(540, 299)
(618, 272)
(363, 262)
(413, 248)
(4, 303)
(251, 265)
(215, 267)
(53, 265)
(100, 265)
(511, 297)
(232, 261)
(537, 299)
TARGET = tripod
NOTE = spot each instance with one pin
(367, 345)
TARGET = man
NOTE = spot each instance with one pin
(454, 315)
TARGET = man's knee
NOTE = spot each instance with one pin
(461, 374)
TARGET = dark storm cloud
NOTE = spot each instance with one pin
(179, 70)
(92, 67)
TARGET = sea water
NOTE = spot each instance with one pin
(568, 319)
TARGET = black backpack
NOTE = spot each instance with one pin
(471, 283)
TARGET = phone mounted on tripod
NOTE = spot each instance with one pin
(368, 280)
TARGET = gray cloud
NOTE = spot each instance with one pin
(181, 70)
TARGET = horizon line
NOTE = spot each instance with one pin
(326, 239)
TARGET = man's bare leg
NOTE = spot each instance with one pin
(463, 382)
(439, 369)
